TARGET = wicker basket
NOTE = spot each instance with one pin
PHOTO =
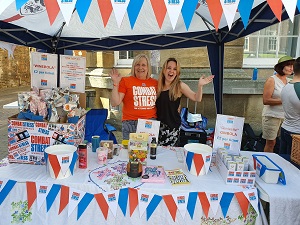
(295, 152)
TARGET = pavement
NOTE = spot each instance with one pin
(9, 95)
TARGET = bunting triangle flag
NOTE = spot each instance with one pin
(74, 199)
(105, 8)
(144, 198)
(102, 204)
(276, 7)
(6, 186)
(42, 192)
(31, 193)
(53, 160)
(204, 202)
(229, 9)
(52, 9)
(20, 3)
(4, 4)
(133, 200)
(216, 11)
(67, 8)
(198, 162)
(133, 10)
(252, 197)
(160, 10)
(181, 201)
(152, 205)
(119, 7)
(82, 7)
(243, 202)
(290, 7)
(123, 199)
(171, 205)
(111, 198)
(245, 7)
(188, 11)
(214, 201)
(173, 9)
(64, 198)
(84, 203)
(52, 195)
(225, 202)
(192, 203)
(298, 5)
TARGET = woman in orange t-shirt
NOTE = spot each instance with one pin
(137, 92)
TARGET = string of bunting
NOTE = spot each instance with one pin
(160, 9)
(146, 202)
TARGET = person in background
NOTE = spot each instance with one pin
(272, 114)
(290, 96)
(137, 92)
(170, 90)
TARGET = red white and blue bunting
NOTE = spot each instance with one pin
(129, 200)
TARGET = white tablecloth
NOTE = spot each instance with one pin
(210, 183)
(284, 199)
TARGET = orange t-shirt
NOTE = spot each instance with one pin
(139, 99)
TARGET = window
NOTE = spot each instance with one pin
(263, 48)
(123, 58)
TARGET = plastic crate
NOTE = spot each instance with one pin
(295, 152)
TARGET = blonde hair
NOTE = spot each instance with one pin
(136, 60)
(175, 90)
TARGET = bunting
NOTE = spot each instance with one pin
(160, 10)
(225, 202)
(42, 192)
(276, 7)
(123, 198)
(192, 203)
(152, 205)
(173, 9)
(144, 199)
(214, 201)
(187, 11)
(6, 186)
(67, 8)
(181, 201)
(133, 199)
(82, 7)
(83, 204)
(106, 9)
(243, 202)
(102, 204)
(245, 7)
(52, 9)
(252, 197)
(52, 195)
(74, 199)
(4, 4)
(64, 198)
(112, 201)
(20, 3)
(133, 10)
(204, 202)
(229, 10)
(171, 205)
(31, 193)
(290, 7)
(216, 11)
(119, 8)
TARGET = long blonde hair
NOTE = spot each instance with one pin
(136, 60)
(175, 90)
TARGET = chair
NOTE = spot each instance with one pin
(95, 125)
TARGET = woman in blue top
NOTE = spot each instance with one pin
(170, 90)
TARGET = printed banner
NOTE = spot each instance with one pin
(214, 200)
(181, 201)
(72, 73)
(43, 68)
(228, 133)
(74, 199)
(144, 199)
(42, 192)
(112, 198)
(252, 197)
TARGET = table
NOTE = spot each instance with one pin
(80, 182)
(284, 200)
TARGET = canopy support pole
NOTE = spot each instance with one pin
(216, 60)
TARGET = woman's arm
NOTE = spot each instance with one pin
(185, 89)
(116, 96)
(268, 92)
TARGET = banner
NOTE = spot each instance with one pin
(43, 67)
(72, 73)
(228, 133)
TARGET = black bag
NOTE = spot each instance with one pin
(251, 142)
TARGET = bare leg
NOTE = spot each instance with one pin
(269, 147)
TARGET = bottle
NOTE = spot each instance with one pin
(254, 75)
(153, 147)
(82, 152)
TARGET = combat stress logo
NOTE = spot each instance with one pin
(144, 97)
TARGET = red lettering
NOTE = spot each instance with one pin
(40, 140)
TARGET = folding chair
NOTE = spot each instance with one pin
(95, 125)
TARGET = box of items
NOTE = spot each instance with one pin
(235, 169)
(138, 147)
(28, 139)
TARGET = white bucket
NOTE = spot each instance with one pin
(197, 158)
(61, 160)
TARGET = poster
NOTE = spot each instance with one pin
(43, 67)
(228, 133)
(72, 73)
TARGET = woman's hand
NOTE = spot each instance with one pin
(205, 80)
(115, 76)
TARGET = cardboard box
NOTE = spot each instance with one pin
(235, 177)
(28, 139)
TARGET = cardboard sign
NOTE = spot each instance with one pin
(228, 133)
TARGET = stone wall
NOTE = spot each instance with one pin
(15, 72)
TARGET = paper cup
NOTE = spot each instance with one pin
(197, 158)
(61, 160)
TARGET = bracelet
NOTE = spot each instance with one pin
(116, 85)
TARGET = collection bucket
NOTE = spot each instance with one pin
(61, 160)
(197, 158)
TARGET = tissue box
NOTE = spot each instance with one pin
(28, 139)
(235, 177)
(268, 170)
